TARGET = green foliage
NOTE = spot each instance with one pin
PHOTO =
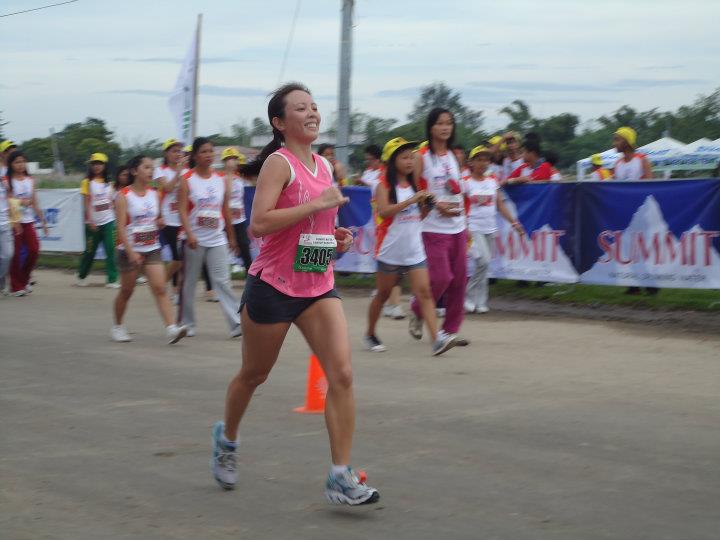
(40, 150)
(438, 94)
(151, 148)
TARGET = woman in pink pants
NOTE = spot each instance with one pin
(445, 227)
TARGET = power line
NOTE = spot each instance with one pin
(289, 42)
(39, 8)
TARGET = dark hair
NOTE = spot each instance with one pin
(552, 157)
(532, 137)
(432, 119)
(532, 146)
(391, 175)
(374, 150)
(105, 173)
(134, 163)
(459, 147)
(17, 154)
(276, 109)
(324, 147)
(118, 172)
(196, 146)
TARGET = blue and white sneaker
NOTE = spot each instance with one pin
(224, 458)
(346, 488)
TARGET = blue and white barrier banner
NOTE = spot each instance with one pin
(358, 216)
(652, 234)
(546, 253)
(65, 219)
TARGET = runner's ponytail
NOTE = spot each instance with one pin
(276, 109)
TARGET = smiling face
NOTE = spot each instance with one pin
(302, 119)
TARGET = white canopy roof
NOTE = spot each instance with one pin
(662, 148)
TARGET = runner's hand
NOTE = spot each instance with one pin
(420, 196)
(344, 239)
(134, 258)
(518, 228)
(92, 226)
(192, 241)
(332, 197)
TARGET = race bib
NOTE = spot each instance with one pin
(208, 219)
(314, 252)
(145, 235)
(174, 207)
(101, 206)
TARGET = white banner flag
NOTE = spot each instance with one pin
(182, 99)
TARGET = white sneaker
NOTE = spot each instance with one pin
(482, 309)
(82, 282)
(112, 285)
(21, 292)
(440, 312)
(28, 288)
(142, 280)
(190, 331)
(469, 307)
(397, 312)
(236, 269)
(119, 333)
(210, 296)
(175, 333)
(237, 332)
(443, 343)
(373, 344)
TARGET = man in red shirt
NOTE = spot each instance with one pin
(534, 169)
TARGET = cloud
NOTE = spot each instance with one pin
(172, 60)
(205, 89)
(551, 86)
(400, 92)
(658, 67)
(139, 92)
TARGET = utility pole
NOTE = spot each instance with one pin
(195, 82)
(58, 166)
(342, 147)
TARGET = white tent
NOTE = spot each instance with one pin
(664, 148)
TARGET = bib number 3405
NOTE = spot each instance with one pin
(314, 252)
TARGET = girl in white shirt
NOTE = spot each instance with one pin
(399, 246)
(482, 190)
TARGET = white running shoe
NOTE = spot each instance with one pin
(373, 344)
(28, 288)
(415, 326)
(112, 285)
(175, 333)
(236, 269)
(469, 307)
(224, 459)
(397, 312)
(141, 280)
(346, 488)
(236, 332)
(444, 342)
(21, 292)
(119, 333)
(190, 331)
(210, 296)
(82, 282)
(482, 309)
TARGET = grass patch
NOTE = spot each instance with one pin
(584, 295)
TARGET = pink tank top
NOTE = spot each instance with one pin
(279, 251)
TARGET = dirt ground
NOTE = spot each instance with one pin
(547, 426)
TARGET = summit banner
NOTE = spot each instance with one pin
(653, 234)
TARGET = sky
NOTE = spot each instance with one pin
(119, 60)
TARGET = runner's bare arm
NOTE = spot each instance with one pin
(274, 176)
(182, 197)
(227, 216)
(386, 209)
(647, 169)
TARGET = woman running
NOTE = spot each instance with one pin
(232, 159)
(8, 227)
(204, 205)
(483, 190)
(137, 208)
(445, 228)
(399, 246)
(98, 196)
(291, 281)
(26, 240)
(168, 177)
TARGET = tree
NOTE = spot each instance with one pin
(77, 141)
(40, 150)
(3, 123)
(439, 95)
(151, 148)
(259, 127)
(519, 114)
(241, 133)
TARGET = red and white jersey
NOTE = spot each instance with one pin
(24, 189)
(163, 175)
(510, 165)
(399, 238)
(483, 195)
(542, 171)
(205, 203)
(142, 220)
(630, 170)
(441, 177)
(237, 200)
(4, 205)
(101, 196)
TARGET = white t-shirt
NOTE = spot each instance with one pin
(371, 178)
(101, 196)
(142, 220)
(205, 199)
(237, 200)
(4, 205)
(629, 170)
(400, 242)
(169, 204)
(483, 211)
(23, 189)
(509, 165)
(438, 172)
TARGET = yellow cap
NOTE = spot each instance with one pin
(423, 145)
(170, 142)
(628, 134)
(187, 149)
(479, 150)
(98, 156)
(393, 145)
(6, 144)
(230, 152)
(494, 140)
(596, 159)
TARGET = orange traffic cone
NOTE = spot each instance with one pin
(316, 389)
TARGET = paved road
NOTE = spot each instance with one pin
(541, 429)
